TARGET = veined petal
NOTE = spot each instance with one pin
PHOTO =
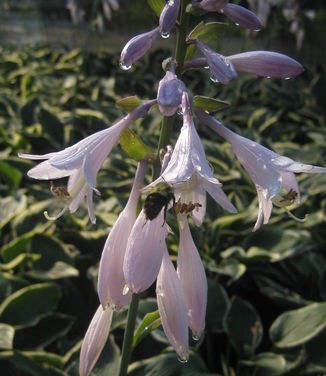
(90, 205)
(242, 16)
(169, 16)
(265, 208)
(216, 192)
(94, 340)
(172, 308)
(193, 280)
(45, 171)
(144, 252)
(290, 165)
(266, 63)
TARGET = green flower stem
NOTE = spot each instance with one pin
(180, 52)
(129, 335)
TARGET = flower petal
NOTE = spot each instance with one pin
(172, 307)
(94, 340)
(169, 16)
(242, 16)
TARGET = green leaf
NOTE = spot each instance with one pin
(133, 145)
(51, 125)
(316, 356)
(157, 6)
(19, 260)
(59, 270)
(209, 104)
(230, 267)
(150, 322)
(11, 175)
(88, 113)
(244, 327)
(45, 358)
(27, 306)
(7, 333)
(267, 364)
(129, 103)
(10, 207)
(298, 326)
(217, 306)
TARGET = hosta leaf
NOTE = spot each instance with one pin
(209, 104)
(129, 103)
(7, 333)
(157, 6)
(133, 145)
(150, 322)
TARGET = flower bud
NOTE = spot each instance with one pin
(168, 17)
(137, 47)
(242, 16)
(213, 5)
(169, 94)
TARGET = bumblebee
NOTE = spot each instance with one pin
(183, 208)
(160, 196)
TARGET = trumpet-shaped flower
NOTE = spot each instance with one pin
(111, 281)
(168, 17)
(137, 48)
(169, 94)
(172, 307)
(94, 340)
(268, 170)
(82, 161)
(189, 172)
(144, 252)
(193, 279)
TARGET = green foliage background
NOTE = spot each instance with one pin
(267, 290)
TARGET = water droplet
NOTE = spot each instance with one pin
(146, 328)
(257, 30)
(182, 359)
(206, 67)
(269, 77)
(125, 290)
(165, 35)
(264, 167)
(287, 78)
(214, 79)
(124, 66)
(195, 338)
(221, 10)
(236, 24)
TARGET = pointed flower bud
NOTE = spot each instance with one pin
(212, 5)
(193, 280)
(137, 48)
(111, 280)
(172, 307)
(169, 94)
(94, 340)
(144, 252)
(269, 171)
(82, 161)
(222, 69)
(168, 17)
(242, 16)
(267, 64)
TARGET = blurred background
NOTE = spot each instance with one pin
(59, 82)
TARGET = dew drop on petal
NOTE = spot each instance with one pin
(195, 338)
(236, 24)
(125, 290)
(287, 78)
(124, 66)
(269, 77)
(182, 359)
(257, 30)
(165, 35)
(214, 79)
(206, 67)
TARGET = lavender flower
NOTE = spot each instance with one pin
(169, 94)
(268, 170)
(137, 48)
(172, 307)
(94, 340)
(82, 161)
(193, 280)
(212, 5)
(111, 279)
(222, 70)
(189, 172)
(168, 17)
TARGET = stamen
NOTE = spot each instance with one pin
(291, 215)
(50, 218)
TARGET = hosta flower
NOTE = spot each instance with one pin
(137, 48)
(172, 307)
(81, 162)
(189, 172)
(94, 340)
(239, 15)
(222, 70)
(111, 281)
(193, 279)
(168, 17)
(169, 94)
(144, 252)
(260, 63)
(269, 171)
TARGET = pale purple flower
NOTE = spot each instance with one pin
(269, 171)
(94, 340)
(144, 252)
(242, 16)
(111, 281)
(137, 48)
(212, 5)
(172, 307)
(189, 172)
(82, 161)
(168, 17)
(169, 94)
(260, 63)
(221, 68)
(193, 280)
(265, 63)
